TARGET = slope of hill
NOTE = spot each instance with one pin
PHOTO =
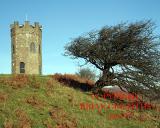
(42, 102)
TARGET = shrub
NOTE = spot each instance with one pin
(86, 73)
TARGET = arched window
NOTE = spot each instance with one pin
(33, 47)
(22, 67)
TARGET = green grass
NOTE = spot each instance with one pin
(53, 105)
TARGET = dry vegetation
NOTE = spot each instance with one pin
(74, 81)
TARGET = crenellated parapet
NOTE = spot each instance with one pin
(26, 24)
(17, 28)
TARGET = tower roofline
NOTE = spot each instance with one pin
(26, 23)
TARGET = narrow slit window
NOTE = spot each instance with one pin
(13, 48)
(39, 49)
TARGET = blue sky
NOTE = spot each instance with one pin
(63, 20)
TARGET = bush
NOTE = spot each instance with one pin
(86, 73)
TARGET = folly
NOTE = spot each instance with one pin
(26, 41)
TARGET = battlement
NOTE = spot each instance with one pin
(26, 24)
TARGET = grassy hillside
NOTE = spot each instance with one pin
(42, 102)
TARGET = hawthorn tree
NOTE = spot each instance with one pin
(127, 54)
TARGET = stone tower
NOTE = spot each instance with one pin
(26, 45)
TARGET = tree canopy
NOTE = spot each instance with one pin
(132, 49)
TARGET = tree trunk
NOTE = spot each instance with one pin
(103, 81)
